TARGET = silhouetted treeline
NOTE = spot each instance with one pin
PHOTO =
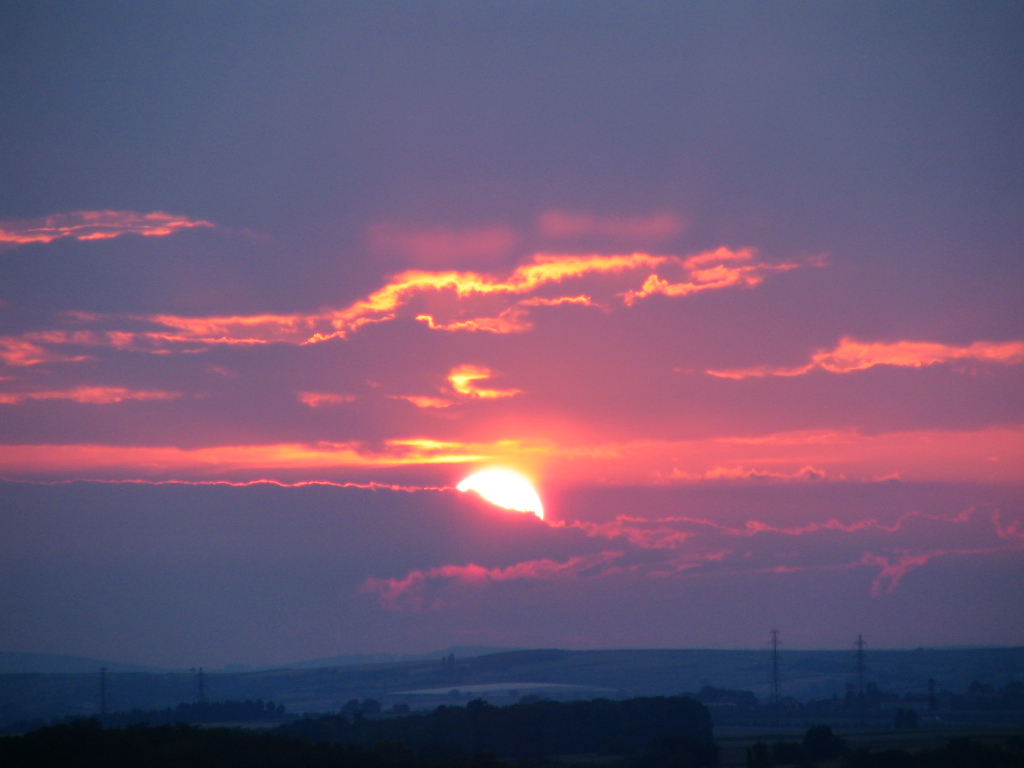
(820, 745)
(86, 744)
(709, 694)
(250, 711)
(979, 704)
(661, 732)
(600, 726)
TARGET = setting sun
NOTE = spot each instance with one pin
(504, 489)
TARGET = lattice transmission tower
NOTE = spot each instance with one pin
(776, 677)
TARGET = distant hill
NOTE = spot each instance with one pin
(55, 663)
(324, 685)
(13, 662)
(352, 660)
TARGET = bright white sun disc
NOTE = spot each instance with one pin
(504, 489)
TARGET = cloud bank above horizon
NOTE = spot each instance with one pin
(737, 289)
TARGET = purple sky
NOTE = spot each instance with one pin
(737, 287)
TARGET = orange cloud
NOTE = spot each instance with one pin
(319, 399)
(423, 401)
(370, 486)
(447, 301)
(511, 320)
(93, 225)
(994, 454)
(463, 379)
(452, 289)
(442, 245)
(851, 355)
(90, 395)
(34, 460)
(563, 225)
(989, 455)
(709, 271)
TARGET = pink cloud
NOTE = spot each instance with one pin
(320, 399)
(911, 541)
(895, 567)
(683, 547)
(93, 225)
(370, 486)
(25, 350)
(90, 395)
(656, 226)
(419, 589)
(852, 355)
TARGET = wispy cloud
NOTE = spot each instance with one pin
(197, 463)
(988, 455)
(90, 395)
(661, 225)
(450, 301)
(320, 399)
(464, 380)
(421, 589)
(425, 401)
(30, 350)
(442, 245)
(851, 355)
(721, 268)
(683, 547)
(93, 225)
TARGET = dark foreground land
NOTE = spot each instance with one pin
(658, 732)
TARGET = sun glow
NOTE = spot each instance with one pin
(504, 489)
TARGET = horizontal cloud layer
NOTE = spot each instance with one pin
(447, 300)
(92, 395)
(672, 547)
(801, 457)
(852, 355)
(93, 225)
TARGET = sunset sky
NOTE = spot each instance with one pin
(738, 287)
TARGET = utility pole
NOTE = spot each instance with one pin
(103, 691)
(862, 704)
(860, 665)
(201, 687)
(776, 678)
